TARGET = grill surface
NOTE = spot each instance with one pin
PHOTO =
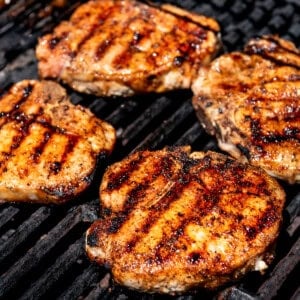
(42, 247)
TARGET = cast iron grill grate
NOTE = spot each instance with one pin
(42, 247)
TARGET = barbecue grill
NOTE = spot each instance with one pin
(42, 252)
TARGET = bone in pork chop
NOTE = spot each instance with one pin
(125, 47)
(251, 101)
(48, 146)
(173, 220)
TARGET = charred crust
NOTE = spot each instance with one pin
(178, 61)
(115, 224)
(55, 167)
(244, 150)
(27, 90)
(92, 238)
(194, 257)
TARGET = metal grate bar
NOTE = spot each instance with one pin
(100, 290)
(34, 255)
(142, 121)
(86, 279)
(191, 135)
(24, 231)
(271, 286)
(7, 214)
(60, 266)
(159, 135)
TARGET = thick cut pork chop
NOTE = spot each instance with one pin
(48, 146)
(174, 220)
(125, 47)
(251, 101)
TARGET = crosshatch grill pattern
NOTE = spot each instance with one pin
(42, 247)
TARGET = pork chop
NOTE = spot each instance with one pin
(173, 220)
(251, 101)
(48, 146)
(125, 47)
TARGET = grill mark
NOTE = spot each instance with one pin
(264, 53)
(116, 180)
(72, 141)
(102, 17)
(124, 58)
(14, 113)
(258, 138)
(138, 193)
(267, 219)
(38, 150)
(156, 210)
(273, 40)
(25, 121)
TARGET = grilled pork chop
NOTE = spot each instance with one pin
(124, 47)
(174, 220)
(48, 146)
(251, 101)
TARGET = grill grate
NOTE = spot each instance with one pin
(42, 247)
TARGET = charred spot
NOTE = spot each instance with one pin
(251, 232)
(101, 48)
(53, 42)
(268, 218)
(294, 77)
(178, 61)
(130, 245)
(211, 197)
(107, 212)
(136, 37)
(207, 103)
(55, 167)
(151, 78)
(27, 90)
(207, 161)
(16, 142)
(244, 150)
(92, 239)
(291, 132)
(134, 195)
(194, 257)
(255, 127)
(116, 181)
(115, 224)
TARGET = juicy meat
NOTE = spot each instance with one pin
(48, 146)
(125, 47)
(251, 101)
(174, 220)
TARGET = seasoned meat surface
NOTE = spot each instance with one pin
(125, 47)
(173, 220)
(251, 101)
(48, 146)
